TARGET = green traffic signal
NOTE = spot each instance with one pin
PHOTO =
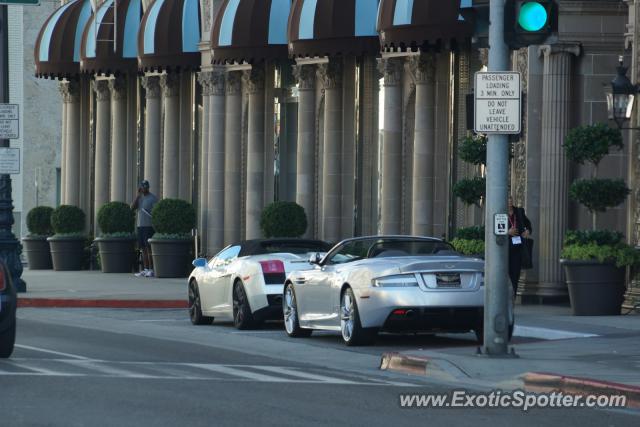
(533, 16)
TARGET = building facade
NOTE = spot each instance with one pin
(353, 109)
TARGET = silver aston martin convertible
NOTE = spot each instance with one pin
(393, 283)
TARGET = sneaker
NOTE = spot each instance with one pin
(149, 273)
(143, 273)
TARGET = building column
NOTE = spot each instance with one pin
(232, 155)
(103, 127)
(216, 164)
(63, 148)
(118, 88)
(391, 198)
(331, 77)
(254, 81)
(554, 176)
(305, 165)
(71, 96)
(204, 78)
(152, 123)
(424, 150)
(170, 84)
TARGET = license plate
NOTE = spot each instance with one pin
(448, 280)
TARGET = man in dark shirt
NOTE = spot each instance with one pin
(144, 204)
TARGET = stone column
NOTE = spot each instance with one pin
(153, 118)
(103, 125)
(216, 163)
(554, 176)
(204, 78)
(424, 74)
(305, 166)
(71, 94)
(118, 88)
(331, 76)
(170, 84)
(254, 82)
(391, 198)
(63, 148)
(232, 155)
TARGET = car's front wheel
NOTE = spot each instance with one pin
(290, 312)
(350, 325)
(242, 316)
(7, 340)
(195, 306)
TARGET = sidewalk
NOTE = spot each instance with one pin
(48, 288)
(597, 355)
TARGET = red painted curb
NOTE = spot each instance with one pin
(99, 303)
(404, 363)
(546, 382)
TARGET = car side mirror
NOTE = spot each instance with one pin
(315, 258)
(199, 262)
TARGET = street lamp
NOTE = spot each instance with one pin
(620, 96)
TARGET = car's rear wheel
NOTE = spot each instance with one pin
(195, 306)
(290, 312)
(350, 325)
(242, 316)
(7, 340)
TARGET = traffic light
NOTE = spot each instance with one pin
(529, 22)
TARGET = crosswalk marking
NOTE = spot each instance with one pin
(58, 353)
(70, 367)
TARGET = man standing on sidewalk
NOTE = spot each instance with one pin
(144, 204)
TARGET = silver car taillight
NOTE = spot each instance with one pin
(399, 281)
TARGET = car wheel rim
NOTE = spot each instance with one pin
(346, 316)
(194, 301)
(238, 305)
(290, 312)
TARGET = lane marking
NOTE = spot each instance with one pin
(111, 371)
(228, 370)
(59, 353)
(305, 375)
(35, 370)
(548, 334)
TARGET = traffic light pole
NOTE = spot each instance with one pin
(497, 287)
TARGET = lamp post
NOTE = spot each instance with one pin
(620, 97)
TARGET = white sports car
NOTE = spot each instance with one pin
(393, 283)
(245, 281)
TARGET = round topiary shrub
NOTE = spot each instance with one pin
(39, 221)
(67, 219)
(116, 218)
(470, 190)
(283, 219)
(173, 218)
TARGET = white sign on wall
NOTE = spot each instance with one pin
(498, 103)
(9, 161)
(9, 121)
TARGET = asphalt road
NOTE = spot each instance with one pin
(101, 367)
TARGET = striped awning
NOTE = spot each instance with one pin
(57, 48)
(169, 36)
(412, 24)
(250, 31)
(97, 54)
(333, 27)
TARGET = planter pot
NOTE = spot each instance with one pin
(595, 289)
(38, 253)
(172, 258)
(117, 255)
(67, 253)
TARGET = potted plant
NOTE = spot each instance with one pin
(283, 219)
(172, 243)
(469, 241)
(594, 261)
(35, 243)
(116, 243)
(68, 243)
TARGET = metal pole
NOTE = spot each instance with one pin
(497, 287)
(9, 246)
